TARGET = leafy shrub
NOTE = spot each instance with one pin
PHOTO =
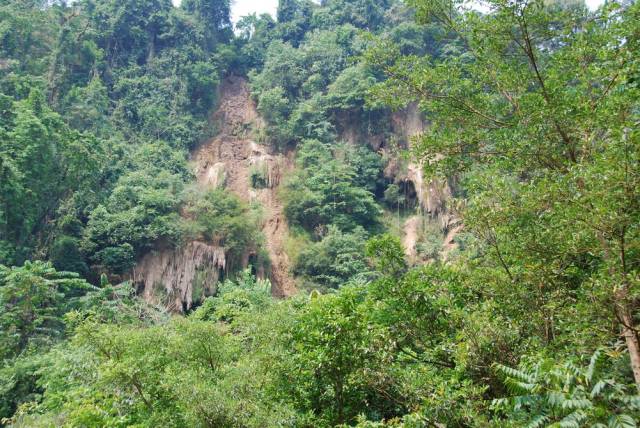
(326, 191)
(429, 243)
(553, 394)
(33, 299)
(246, 294)
(66, 255)
(258, 177)
(219, 216)
(141, 210)
(117, 259)
(334, 260)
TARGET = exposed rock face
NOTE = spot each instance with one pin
(232, 160)
(251, 170)
(432, 194)
(178, 277)
(408, 122)
(411, 228)
(235, 161)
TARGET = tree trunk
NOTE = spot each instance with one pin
(623, 307)
(340, 399)
(631, 340)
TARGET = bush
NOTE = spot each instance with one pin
(246, 294)
(546, 393)
(258, 177)
(117, 259)
(335, 260)
(141, 210)
(430, 240)
(220, 217)
(325, 191)
(66, 255)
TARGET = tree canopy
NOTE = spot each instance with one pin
(515, 302)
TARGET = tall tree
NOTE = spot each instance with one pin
(33, 299)
(537, 103)
(214, 18)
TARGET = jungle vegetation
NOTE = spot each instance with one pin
(533, 116)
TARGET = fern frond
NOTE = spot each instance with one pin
(523, 400)
(621, 421)
(515, 386)
(598, 388)
(596, 359)
(577, 403)
(572, 420)
(555, 399)
(632, 401)
(516, 374)
(574, 372)
(538, 421)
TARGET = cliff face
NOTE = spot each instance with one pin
(432, 195)
(179, 277)
(234, 161)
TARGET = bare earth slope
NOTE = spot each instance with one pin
(177, 277)
(229, 159)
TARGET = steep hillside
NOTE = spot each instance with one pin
(430, 198)
(253, 171)
(234, 161)
(450, 196)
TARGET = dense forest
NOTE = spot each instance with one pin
(371, 213)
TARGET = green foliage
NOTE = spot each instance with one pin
(116, 304)
(243, 296)
(553, 207)
(258, 175)
(382, 348)
(335, 260)
(429, 244)
(18, 382)
(333, 351)
(346, 92)
(33, 299)
(116, 259)
(42, 305)
(42, 161)
(365, 14)
(66, 255)
(559, 395)
(101, 97)
(143, 371)
(325, 190)
(293, 19)
(140, 210)
(255, 34)
(533, 113)
(212, 18)
(393, 196)
(86, 106)
(184, 371)
(387, 255)
(221, 218)
(309, 91)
